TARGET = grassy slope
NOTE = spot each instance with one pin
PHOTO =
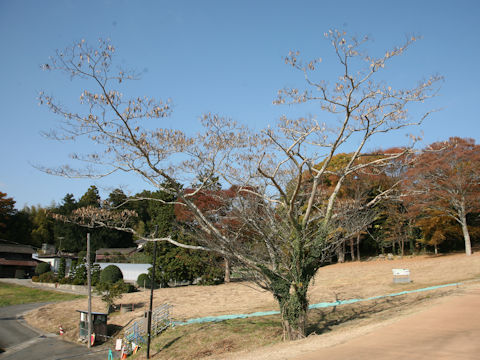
(216, 340)
(334, 282)
(14, 294)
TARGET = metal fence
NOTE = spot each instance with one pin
(161, 320)
(136, 332)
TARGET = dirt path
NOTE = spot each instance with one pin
(447, 328)
(446, 331)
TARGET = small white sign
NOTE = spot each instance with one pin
(401, 272)
(118, 345)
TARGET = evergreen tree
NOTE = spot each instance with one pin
(90, 198)
(61, 268)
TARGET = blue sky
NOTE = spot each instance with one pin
(216, 56)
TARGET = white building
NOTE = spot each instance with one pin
(130, 272)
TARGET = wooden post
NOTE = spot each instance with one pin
(149, 319)
(89, 282)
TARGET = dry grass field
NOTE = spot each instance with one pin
(334, 282)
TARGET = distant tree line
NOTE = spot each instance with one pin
(35, 225)
(434, 208)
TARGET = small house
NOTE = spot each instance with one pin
(54, 260)
(16, 261)
(113, 254)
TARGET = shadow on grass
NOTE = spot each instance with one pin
(323, 320)
(130, 306)
(174, 340)
(216, 338)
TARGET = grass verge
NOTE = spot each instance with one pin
(15, 294)
(198, 341)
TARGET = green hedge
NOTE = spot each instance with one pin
(111, 274)
(42, 268)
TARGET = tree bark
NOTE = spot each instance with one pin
(341, 252)
(466, 236)
(295, 332)
(294, 314)
(411, 246)
(352, 249)
(358, 247)
(227, 271)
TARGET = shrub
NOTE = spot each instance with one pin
(213, 275)
(96, 271)
(35, 278)
(110, 292)
(65, 280)
(143, 280)
(79, 275)
(110, 275)
(129, 288)
(47, 277)
(42, 268)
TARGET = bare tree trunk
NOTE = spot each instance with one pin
(466, 236)
(352, 249)
(341, 252)
(358, 246)
(402, 246)
(295, 333)
(227, 271)
(436, 248)
(294, 314)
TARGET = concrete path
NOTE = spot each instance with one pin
(13, 330)
(450, 330)
(79, 290)
(21, 342)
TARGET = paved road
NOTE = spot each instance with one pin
(12, 330)
(79, 290)
(20, 342)
(447, 331)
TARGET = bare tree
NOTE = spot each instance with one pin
(283, 216)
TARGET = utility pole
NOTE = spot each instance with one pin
(89, 279)
(152, 286)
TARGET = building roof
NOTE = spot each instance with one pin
(31, 263)
(92, 312)
(113, 251)
(55, 256)
(18, 249)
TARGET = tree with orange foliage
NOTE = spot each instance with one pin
(356, 205)
(216, 205)
(6, 208)
(446, 179)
